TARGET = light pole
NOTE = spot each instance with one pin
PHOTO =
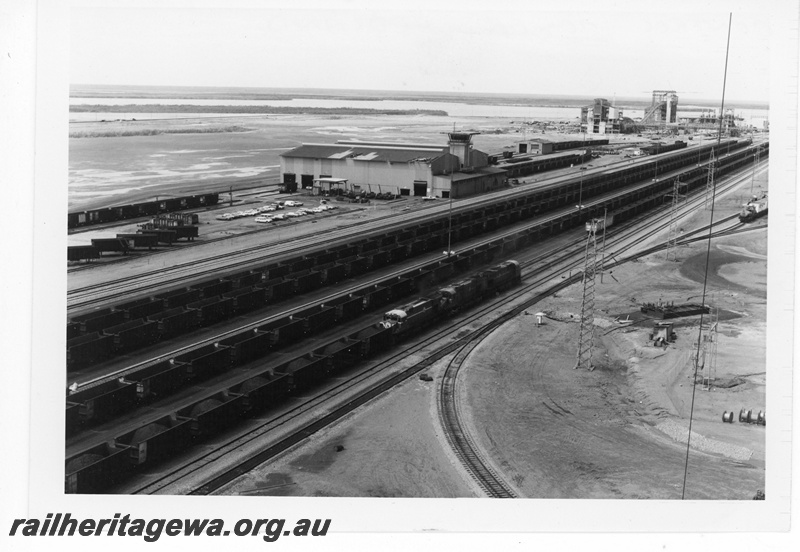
(450, 220)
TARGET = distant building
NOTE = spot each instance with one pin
(663, 108)
(601, 118)
(543, 146)
(455, 169)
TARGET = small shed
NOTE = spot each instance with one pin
(539, 146)
(327, 184)
(662, 333)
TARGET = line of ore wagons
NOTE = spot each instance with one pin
(102, 333)
(136, 210)
(166, 228)
(96, 336)
(105, 464)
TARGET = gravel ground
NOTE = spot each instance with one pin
(391, 447)
(620, 430)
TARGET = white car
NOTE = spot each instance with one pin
(279, 217)
(292, 203)
(225, 216)
(266, 209)
(292, 214)
(429, 198)
(251, 212)
(317, 210)
(239, 214)
(262, 218)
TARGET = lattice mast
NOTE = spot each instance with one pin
(678, 196)
(710, 350)
(756, 159)
(586, 336)
(710, 180)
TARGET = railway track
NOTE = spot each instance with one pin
(459, 439)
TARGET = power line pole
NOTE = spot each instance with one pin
(757, 158)
(710, 351)
(586, 338)
(710, 180)
(671, 253)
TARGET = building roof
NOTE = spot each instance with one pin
(561, 139)
(477, 173)
(402, 153)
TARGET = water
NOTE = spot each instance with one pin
(453, 109)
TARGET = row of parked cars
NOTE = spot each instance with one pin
(265, 213)
(296, 213)
(258, 211)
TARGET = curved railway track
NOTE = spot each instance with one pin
(459, 439)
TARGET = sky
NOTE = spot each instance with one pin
(627, 50)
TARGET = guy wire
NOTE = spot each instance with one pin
(705, 274)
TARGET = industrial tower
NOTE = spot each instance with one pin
(586, 338)
(710, 180)
(671, 253)
(756, 159)
(707, 353)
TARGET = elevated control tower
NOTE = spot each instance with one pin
(461, 146)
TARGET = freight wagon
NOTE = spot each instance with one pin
(114, 245)
(262, 392)
(82, 252)
(149, 208)
(598, 225)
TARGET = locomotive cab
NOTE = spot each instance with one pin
(395, 316)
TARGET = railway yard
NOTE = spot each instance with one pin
(413, 348)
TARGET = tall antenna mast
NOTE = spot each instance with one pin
(705, 278)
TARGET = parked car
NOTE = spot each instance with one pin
(263, 218)
(293, 203)
(279, 217)
(429, 198)
(292, 214)
(225, 216)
